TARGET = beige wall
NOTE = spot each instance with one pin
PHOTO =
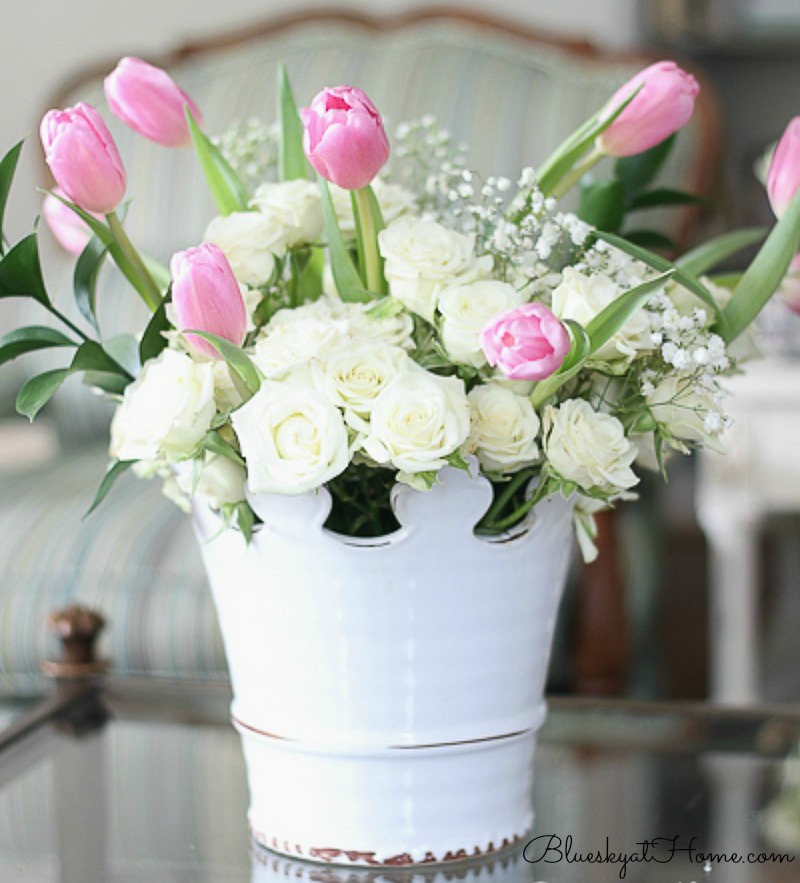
(44, 41)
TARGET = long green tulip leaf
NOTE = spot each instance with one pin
(293, 163)
(225, 185)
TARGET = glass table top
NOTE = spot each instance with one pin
(146, 782)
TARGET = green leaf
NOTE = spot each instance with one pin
(609, 321)
(153, 340)
(602, 204)
(38, 391)
(225, 185)
(90, 356)
(114, 384)
(636, 172)
(8, 166)
(564, 157)
(656, 262)
(21, 272)
(29, 339)
(650, 239)
(236, 358)
(215, 443)
(763, 277)
(348, 282)
(573, 362)
(100, 230)
(124, 349)
(115, 469)
(456, 459)
(293, 163)
(709, 254)
(84, 280)
(309, 285)
(246, 520)
(664, 196)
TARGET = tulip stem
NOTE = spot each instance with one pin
(130, 262)
(574, 175)
(369, 241)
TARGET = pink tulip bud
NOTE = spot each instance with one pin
(664, 104)
(71, 233)
(207, 297)
(783, 177)
(344, 138)
(526, 343)
(83, 158)
(148, 100)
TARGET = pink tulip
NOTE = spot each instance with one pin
(148, 100)
(71, 233)
(783, 177)
(83, 158)
(344, 138)
(207, 297)
(663, 105)
(526, 343)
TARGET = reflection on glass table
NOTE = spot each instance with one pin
(145, 782)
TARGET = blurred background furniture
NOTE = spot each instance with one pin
(509, 94)
(758, 476)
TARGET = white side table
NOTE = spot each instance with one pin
(759, 475)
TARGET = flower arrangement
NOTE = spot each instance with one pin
(354, 326)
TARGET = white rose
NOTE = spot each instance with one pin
(466, 309)
(249, 241)
(354, 375)
(393, 200)
(418, 421)
(221, 481)
(422, 257)
(294, 208)
(504, 429)
(295, 337)
(581, 298)
(686, 411)
(588, 448)
(292, 438)
(166, 411)
(395, 330)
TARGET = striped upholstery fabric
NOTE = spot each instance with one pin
(135, 559)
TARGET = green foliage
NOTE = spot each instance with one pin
(639, 171)
(238, 361)
(29, 339)
(21, 272)
(153, 340)
(709, 254)
(345, 276)
(8, 166)
(226, 187)
(216, 444)
(115, 469)
(602, 204)
(765, 274)
(293, 163)
(87, 270)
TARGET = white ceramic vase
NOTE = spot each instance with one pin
(388, 691)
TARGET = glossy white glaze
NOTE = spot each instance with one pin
(360, 669)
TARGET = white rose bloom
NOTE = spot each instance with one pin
(393, 200)
(393, 330)
(418, 421)
(504, 429)
(292, 438)
(354, 374)
(294, 208)
(582, 297)
(588, 448)
(687, 411)
(422, 257)
(166, 411)
(249, 241)
(295, 337)
(466, 309)
(221, 481)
